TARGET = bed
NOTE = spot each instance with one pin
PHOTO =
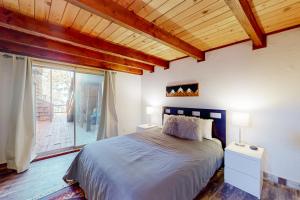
(150, 165)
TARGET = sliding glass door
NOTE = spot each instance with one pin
(51, 88)
(67, 108)
(88, 104)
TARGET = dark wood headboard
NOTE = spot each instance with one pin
(219, 117)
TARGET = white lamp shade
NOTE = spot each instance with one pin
(149, 110)
(240, 119)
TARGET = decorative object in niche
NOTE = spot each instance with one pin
(183, 90)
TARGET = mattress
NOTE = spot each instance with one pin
(145, 166)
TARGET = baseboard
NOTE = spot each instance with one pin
(4, 171)
(55, 154)
(281, 181)
(3, 166)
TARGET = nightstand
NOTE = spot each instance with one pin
(144, 127)
(243, 168)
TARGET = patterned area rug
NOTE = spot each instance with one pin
(72, 192)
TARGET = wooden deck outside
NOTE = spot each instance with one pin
(59, 134)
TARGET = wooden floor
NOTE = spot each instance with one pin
(42, 178)
(45, 177)
(218, 190)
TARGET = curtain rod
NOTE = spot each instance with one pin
(67, 66)
(11, 55)
(74, 66)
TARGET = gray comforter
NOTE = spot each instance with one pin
(145, 166)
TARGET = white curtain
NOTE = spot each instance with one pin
(109, 119)
(16, 119)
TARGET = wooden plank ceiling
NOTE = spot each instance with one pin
(203, 24)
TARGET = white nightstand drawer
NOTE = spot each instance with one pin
(243, 164)
(243, 181)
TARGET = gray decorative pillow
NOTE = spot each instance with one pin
(189, 128)
(183, 127)
(170, 125)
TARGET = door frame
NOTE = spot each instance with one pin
(74, 69)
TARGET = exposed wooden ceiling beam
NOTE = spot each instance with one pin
(29, 25)
(40, 42)
(242, 11)
(122, 16)
(20, 49)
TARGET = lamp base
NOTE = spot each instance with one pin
(240, 143)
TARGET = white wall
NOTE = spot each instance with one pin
(128, 96)
(264, 82)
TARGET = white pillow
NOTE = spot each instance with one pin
(206, 128)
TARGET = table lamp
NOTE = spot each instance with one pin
(240, 119)
(149, 112)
